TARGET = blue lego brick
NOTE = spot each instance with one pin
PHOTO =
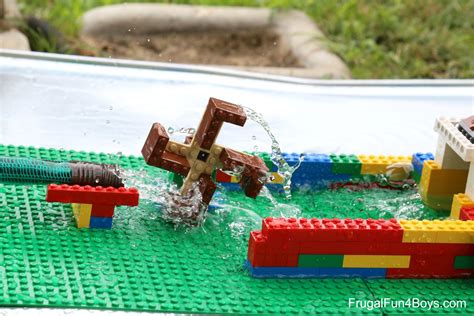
(101, 222)
(418, 159)
(298, 272)
(366, 273)
(230, 186)
(315, 171)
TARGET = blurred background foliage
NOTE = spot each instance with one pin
(376, 38)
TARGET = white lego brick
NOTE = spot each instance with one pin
(446, 128)
(447, 158)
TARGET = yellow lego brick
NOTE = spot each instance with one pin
(277, 178)
(378, 164)
(438, 186)
(459, 201)
(82, 214)
(375, 261)
(234, 179)
(449, 232)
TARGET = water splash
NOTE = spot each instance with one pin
(165, 197)
(278, 209)
(284, 169)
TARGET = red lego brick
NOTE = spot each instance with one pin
(275, 260)
(333, 230)
(436, 249)
(429, 266)
(345, 248)
(92, 195)
(102, 210)
(467, 213)
(223, 177)
(256, 249)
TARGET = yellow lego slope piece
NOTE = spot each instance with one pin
(448, 232)
(82, 214)
(375, 261)
(378, 164)
(438, 186)
(459, 201)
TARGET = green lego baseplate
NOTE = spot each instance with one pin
(146, 264)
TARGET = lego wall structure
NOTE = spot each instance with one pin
(306, 248)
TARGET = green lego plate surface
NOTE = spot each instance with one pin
(146, 264)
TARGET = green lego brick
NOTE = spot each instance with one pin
(176, 179)
(416, 177)
(320, 261)
(464, 262)
(405, 295)
(346, 164)
(266, 157)
(146, 264)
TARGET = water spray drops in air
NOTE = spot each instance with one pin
(284, 169)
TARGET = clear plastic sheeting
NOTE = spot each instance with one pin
(109, 105)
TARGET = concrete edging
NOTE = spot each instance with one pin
(297, 31)
(12, 38)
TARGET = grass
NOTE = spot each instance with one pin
(376, 38)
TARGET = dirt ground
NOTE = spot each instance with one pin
(249, 48)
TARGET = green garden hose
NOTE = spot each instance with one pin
(29, 170)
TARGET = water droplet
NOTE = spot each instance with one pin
(284, 169)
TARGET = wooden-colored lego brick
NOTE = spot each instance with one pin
(155, 154)
(378, 164)
(217, 112)
(207, 187)
(82, 214)
(449, 232)
(460, 200)
(376, 261)
(253, 169)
